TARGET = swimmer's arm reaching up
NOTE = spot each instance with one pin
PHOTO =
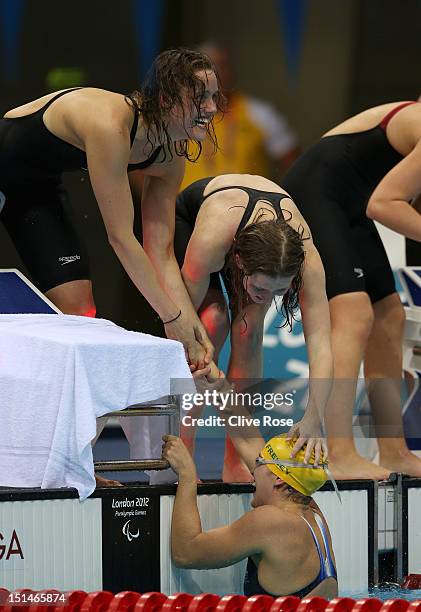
(193, 548)
(246, 437)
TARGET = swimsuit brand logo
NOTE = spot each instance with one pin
(126, 530)
(359, 272)
(65, 260)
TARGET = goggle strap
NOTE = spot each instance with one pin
(333, 481)
(323, 466)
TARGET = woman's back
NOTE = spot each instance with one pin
(298, 560)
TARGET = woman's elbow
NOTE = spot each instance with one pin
(180, 559)
(373, 210)
(119, 242)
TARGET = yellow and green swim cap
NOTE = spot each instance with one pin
(304, 477)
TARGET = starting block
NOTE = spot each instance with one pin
(19, 296)
(410, 278)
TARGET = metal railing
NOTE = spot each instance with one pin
(170, 408)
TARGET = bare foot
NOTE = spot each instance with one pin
(236, 473)
(105, 482)
(354, 467)
(404, 462)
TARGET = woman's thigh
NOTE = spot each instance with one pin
(40, 225)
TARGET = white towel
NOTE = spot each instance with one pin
(58, 373)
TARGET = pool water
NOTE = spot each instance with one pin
(383, 593)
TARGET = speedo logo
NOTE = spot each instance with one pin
(359, 272)
(66, 260)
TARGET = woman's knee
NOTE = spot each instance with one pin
(84, 309)
(214, 317)
(389, 315)
(352, 316)
(74, 298)
(82, 305)
(248, 333)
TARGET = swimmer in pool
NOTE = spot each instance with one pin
(285, 536)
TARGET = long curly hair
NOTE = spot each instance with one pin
(172, 76)
(271, 247)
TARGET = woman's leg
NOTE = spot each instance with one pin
(383, 373)
(352, 320)
(246, 365)
(214, 315)
(43, 231)
(44, 235)
(246, 359)
(74, 297)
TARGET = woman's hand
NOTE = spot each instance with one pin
(179, 458)
(308, 431)
(205, 381)
(198, 349)
(203, 339)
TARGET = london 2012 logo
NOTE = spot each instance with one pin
(129, 535)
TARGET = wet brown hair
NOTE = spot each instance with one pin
(298, 497)
(271, 247)
(172, 74)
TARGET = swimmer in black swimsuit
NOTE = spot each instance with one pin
(285, 537)
(248, 229)
(145, 135)
(364, 170)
